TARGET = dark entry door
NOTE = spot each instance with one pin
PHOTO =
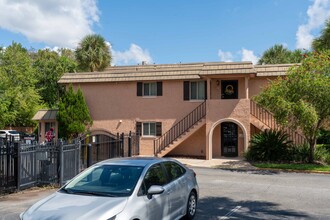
(229, 89)
(229, 140)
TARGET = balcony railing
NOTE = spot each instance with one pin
(180, 128)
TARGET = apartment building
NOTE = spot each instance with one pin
(195, 109)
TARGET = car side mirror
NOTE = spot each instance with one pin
(154, 190)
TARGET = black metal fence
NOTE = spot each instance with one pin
(23, 165)
(100, 147)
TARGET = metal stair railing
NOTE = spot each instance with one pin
(180, 128)
(268, 119)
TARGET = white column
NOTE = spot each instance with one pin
(247, 87)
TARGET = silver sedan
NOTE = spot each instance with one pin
(123, 188)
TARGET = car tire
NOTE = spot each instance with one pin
(191, 206)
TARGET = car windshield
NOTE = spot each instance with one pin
(13, 132)
(106, 180)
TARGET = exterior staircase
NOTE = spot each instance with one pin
(263, 119)
(180, 131)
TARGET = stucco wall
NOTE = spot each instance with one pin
(256, 84)
(115, 107)
(193, 146)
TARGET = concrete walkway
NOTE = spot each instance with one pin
(224, 163)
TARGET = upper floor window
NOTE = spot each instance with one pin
(194, 90)
(149, 89)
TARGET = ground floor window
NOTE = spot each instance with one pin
(149, 128)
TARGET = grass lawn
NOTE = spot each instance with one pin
(301, 167)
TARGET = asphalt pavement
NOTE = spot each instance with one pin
(236, 191)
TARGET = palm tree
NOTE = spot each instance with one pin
(323, 41)
(279, 54)
(93, 53)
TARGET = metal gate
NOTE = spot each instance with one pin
(8, 165)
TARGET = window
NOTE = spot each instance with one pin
(195, 90)
(150, 89)
(154, 176)
(174, 170)
(149, 128)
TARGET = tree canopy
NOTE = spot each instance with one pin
(323, 41)
(302, 99)
(49, 67)
(93, 53)
(73, 114)
(19, 98)
(278, 54)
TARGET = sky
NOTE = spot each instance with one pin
(166, 32)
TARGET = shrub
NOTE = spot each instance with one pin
(324, 137)
(300, 153)
(269, 145)
(322, 153)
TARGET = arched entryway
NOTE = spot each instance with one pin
(225, 137)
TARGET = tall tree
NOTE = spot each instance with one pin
(50, 66)
(302, 100)
(73, 114)
(323, 41)
(93, 53)
(18, 96)
(278, 54)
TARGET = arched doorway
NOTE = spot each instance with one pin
(231, 125)
(229, 139)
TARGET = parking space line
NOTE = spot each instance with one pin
(231, 212)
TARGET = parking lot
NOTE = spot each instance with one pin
(232, 195)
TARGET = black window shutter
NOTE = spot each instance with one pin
(158, 129)
(205, 87)
(159, 88)
(186, 90)
(139, 89)
(138, 128)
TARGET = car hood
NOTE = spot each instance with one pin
(62, 206)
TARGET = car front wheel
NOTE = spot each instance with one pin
(191, 206)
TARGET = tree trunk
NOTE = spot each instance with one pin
(312, 144)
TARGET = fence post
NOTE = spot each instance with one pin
(89, 155)
(17, 148)
(61, 165)
(122, 144)
(79, 164)
(130, 144)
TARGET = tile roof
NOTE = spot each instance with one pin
(273, 70)
(173, 72)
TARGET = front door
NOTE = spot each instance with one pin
(229, 140)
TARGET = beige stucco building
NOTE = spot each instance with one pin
(198, 109)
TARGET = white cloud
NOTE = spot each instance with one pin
(248, 55)
(241, 55)
(317, 14)
(54, 22)
(134, 55)
(225, 56)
